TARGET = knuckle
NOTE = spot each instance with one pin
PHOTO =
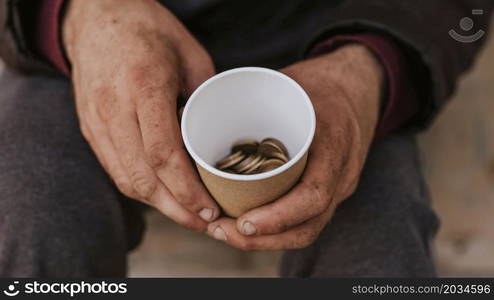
(158, 154)
(317, 197)
(186, 200)
(143, 184)
(139, 73)
(151, 81)
(124, 186)
(106, 105)
(128, 157)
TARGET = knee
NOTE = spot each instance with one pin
(60, 213)
(43, 237)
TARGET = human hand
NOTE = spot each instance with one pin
(130, 60)
(345, 89)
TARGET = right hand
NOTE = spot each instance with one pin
(130, 60)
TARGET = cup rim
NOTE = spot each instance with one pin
(251, 177)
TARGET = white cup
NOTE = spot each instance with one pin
(247, 103)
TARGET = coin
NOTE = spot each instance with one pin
(271, 148)
(270, 164)
(248, 156)
(255, 166)
(276, 144)
(247, 146)
(230, 160)
(279, 155)
(247, 163)
(229, 171)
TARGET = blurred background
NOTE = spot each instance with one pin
(458, 155)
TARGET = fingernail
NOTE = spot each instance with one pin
(219, 234)
(206, 214)
(248, 228)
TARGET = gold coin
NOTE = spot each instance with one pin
(248, 146)
(271, 164)
(247, 163)
(230, 160)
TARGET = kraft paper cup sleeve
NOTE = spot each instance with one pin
(247, 103)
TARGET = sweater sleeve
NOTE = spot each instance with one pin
(24, 27)
(420, 29)
(47, 37)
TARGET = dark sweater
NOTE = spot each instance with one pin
(274, 34)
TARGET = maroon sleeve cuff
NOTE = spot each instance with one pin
(47, 41)
(401, 101)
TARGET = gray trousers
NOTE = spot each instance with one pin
(61, 216)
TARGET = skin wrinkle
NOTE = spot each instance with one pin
(143, 185)
(159, 155)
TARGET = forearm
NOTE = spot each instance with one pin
(436, 59)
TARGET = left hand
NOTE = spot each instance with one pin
(345, 89)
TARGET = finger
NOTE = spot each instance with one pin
(328, 158)
(309, 198)
(166, 204)
(125, 136)
(106, 154)
(198, 68)
(165, 152)
(97, 136)
(297, 237)
(304, 202)
(196, 64)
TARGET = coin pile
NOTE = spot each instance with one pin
(251, 157)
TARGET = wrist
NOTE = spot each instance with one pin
(356, 71)
(85, 20)
(71, 23)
